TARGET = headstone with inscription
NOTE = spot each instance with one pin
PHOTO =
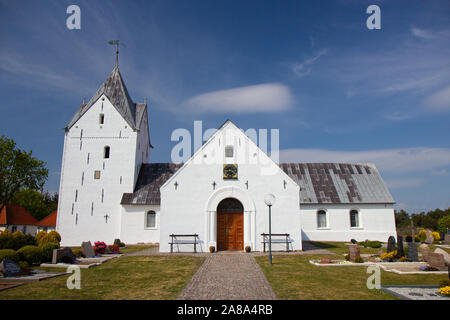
(87, 249)
(9, 268)
(400, 251)
(447, 238)
(63, 255)
(425, 250)
(437, 261)
(391, 244)
(413, 255)
(354, 252)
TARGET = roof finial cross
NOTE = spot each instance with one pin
(116, 43)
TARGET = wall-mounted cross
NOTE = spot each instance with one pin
(176, 185)
(246, 184)
(214, 185)
(106, 217)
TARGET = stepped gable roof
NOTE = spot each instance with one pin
(116, 91)
(13, 214)
(327, 183)
(335, 183)
(151, 177)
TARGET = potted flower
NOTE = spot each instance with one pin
(212, 249)
(248, 249)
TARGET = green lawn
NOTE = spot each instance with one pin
(140, 277)
(341, 247)
(293, 277)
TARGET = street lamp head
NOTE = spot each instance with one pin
(269, 199)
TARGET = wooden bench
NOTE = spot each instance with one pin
(285, 239)
(181, 241)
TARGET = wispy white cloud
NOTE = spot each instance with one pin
(268, 97)
(398, 116)
(442, 172)
(304, 68)
(439, 100)
(387, 160)
(421, 33)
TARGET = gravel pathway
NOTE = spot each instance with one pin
(228, 276)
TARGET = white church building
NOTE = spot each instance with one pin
(110, 189)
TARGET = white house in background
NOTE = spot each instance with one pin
(16, 218)
(109, 189)
(48, 223)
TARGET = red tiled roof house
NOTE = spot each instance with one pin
(48, 223)
(14, 218)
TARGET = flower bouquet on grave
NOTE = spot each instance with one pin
(427, 268)
(444, 291)
(113, 249)
(99, 247)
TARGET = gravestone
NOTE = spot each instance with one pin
(445, 254)
(63, 255)
(353, 252)
(413, 255)
(425, 250)
(117, 242)
(429, 239)
(447, 238)
(437, 261)
(400, 251)
(87, 249)
(390, 244)
(9, 268)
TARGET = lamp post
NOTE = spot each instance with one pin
(269, 200)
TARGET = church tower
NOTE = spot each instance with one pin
(105, 144)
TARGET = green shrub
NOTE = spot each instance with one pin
(30, 254)
(54, 237)
(78, 253)
(47, 251)
(408, 238)
(347, 257)
(122, 244)
(39, 236)
(353, 241)
(9, 254)
(372, 244)
(359, 260)
(422, 235)
(29, 240)
(23, 265)
(5, 238)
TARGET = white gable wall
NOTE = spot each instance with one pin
(191, 206)
(377, 222)
(117, 175)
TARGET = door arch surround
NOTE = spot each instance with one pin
(230, 225)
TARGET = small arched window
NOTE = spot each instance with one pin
(101, 118)
(150, 219)
(107, 152)
(354, 218)
(321, 219)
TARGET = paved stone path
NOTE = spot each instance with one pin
(228, 276)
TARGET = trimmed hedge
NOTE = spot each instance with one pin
(9, 254)
(47, 251)
(30, 254)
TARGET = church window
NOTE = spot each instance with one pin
(76, 195)
(103, 194)
(14, 229)
(322, 219)
(82, 178)
(150, 219)
(354, 218)
(88, 158)
(229, 151)
(101, 119)
(97, 174)
(92, 209)
(107, 151)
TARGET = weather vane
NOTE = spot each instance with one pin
(116, 43)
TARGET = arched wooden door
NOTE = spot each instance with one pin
(230, 225)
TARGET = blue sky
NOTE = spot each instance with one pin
(336, 90)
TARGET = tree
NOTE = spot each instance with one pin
(402, 219)
(32, 201)
(444, 224)
(18, 170)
